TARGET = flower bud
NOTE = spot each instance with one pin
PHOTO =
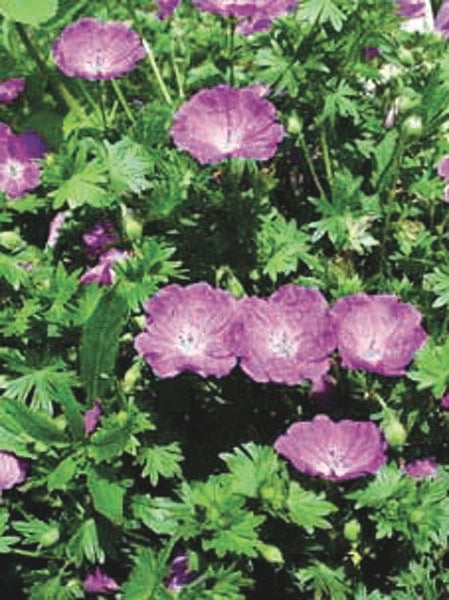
(352, 530)
(395, 433)
(412, 126)
(270, 553)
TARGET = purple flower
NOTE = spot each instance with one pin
(12, 470)
(91, 418)
(223, 122)
(54, 229)
(410, 9)
(100, 583)
(253, 15)
(371, 52)
(445, 402)
(443, 168)
(165, 8)
(442, 20)
(422, 467)
(11, 89)
(103, 273)
(99, 239)
(287, 337)
(179, 575)
(189, 328)
(337, 451)
(377, 333)
(19, 169)
(94, 50)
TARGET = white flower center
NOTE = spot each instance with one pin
(14, 169)
(189, 341)
(282, 345)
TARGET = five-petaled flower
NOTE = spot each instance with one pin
(287, 337)
(179, 575)
(189, 328)
(338, 451)
(100, 583)
(103, 272)
(100, 238)
(441, 24)
(12, 470)
(94, 50)
(411, 9)
(422, 467)
(224, 122)
(19, 166)
(165, 8)
(443, 171)
(10, 89)
(377, 333)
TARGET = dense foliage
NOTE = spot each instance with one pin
(127, 470)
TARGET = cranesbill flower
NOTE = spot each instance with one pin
(11, 89)
(189, 328)
(224, 122)
(410, 9)
(337, 451)
(100, 583)
(103, 272)
(371, 52)
(165, 8)
(19, 169)
(91, 418)
(94, 50)
(422, 467)
(443, 165)
(445, 402)
(12, 470)
(377, 333)
(287, 337)
(54, 229)
(253, 15)
(99, 239)
(179, 575)
(441, 24)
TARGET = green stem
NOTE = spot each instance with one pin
(86, 95)
(103, 105)
(123, 101)
(176, 70)
(60, 92)
(156, 72)
(309, 162)
(232, 26)
(326, 158)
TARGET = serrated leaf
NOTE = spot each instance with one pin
(308, 509)
(30, 12)
(144, 577)
(161, 461)
(99, 344)
(60, 477)
(17, 418)
(7, 541)
(239, 537)
(128, 164)
(431, 367)
(106, 496)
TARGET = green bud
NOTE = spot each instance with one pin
(395, 433)
(294, 124)
(132, 227)
(10, 240)
(50, 537)
(352, 530)
(412, 126)
(270, 553)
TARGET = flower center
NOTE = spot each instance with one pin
(336, 460)
(189, 341)
(282, 345)
(373, 353)
(14, 169)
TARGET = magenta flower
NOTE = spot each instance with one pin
(445, 402)
(441, 24)
(11, 89)
(337, 451)
(19, 169)
(91, 418)
(422, 467)
(103, 272)
(189, 328)
(99, 239)
(12, 470)
(54, 229)
(410, 9)
(253, 15)
(287, 337)
(377, 333)
(179, 575)
(94, 50)
(223, 122)
(165, 8)
(443, 165)
(371, 52)
(100, 583)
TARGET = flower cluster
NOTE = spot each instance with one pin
(336, 451)
(285, 338)
(19, 161)
(98, 242)
(94, 50)
(224, 122)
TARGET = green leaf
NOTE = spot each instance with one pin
(85, 544)
(128, 163)
(17, 418)
(64, 472)
(308, 509)
(110, 441)
(161, 515)
(324, 581)
(438, 283)
(31, 12)
(161, 461)
(146, 575)
(431, 367)
(239, 537)
(37, 532)
(99, 344)
(107, 497)
(6, 542)
(322, 11)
